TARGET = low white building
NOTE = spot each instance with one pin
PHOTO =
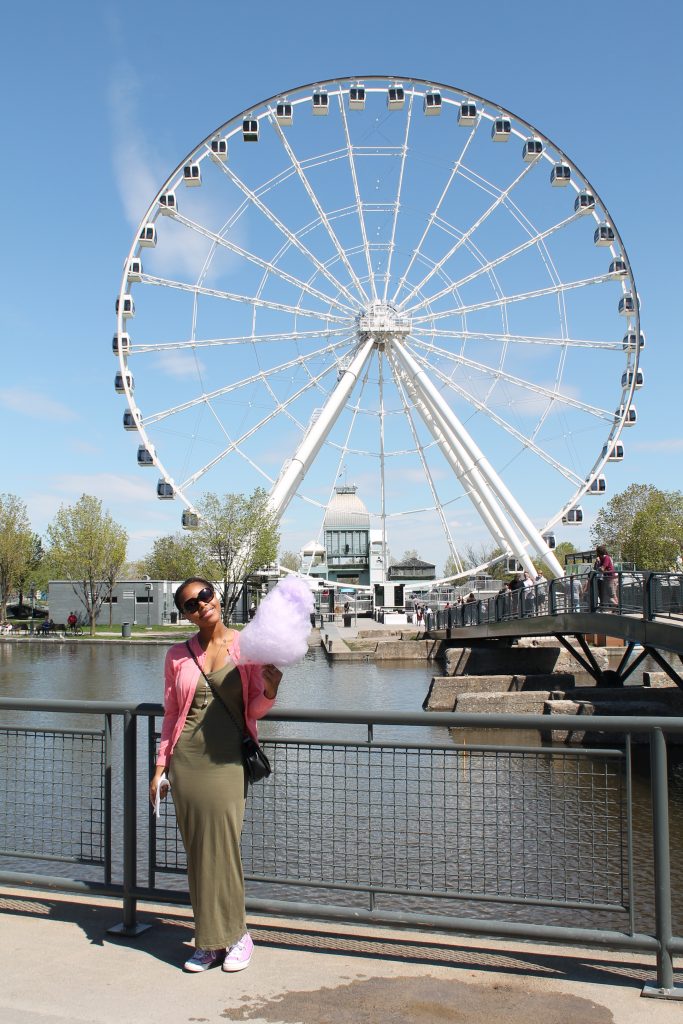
(143, 602)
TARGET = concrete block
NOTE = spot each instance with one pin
(524, 703)
(406, 650)
(657, 679)
(498, 659)
(445, 690)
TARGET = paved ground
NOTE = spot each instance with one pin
(58, 965)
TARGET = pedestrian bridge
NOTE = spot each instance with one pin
(645, 610)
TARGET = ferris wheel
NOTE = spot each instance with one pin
(387, 279)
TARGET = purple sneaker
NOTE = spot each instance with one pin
(238, 957)
(203, 959)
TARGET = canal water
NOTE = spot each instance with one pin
(74, 671)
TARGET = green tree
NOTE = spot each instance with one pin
(410, 553)
(562, 550)
(656, 535)
(643, 525)
(614, 521)
(16, 546)
(88, 548)
(238, 534)
(290, 560)
(34, 575)
(173, 557)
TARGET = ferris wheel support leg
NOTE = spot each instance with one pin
(286, 485)
(489, 486)
(437, 433)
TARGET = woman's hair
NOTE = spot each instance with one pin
(193, 579)
(601, 550)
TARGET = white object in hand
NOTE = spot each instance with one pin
(278, 633)
(165, 785)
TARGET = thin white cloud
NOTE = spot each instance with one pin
(35, 404)
(180, 364)
(667, 444)
(109, 487)
(136, 169)
(139, 174)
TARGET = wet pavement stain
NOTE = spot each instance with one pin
(421, 1001)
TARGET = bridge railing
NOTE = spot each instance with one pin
(648, 594)
(371, 824)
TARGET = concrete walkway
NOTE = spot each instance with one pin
(58, 965)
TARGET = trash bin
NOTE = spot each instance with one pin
(126, 630)
(174, 618)
(347, 621)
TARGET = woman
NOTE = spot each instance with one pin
(607, 579)
(201, 747)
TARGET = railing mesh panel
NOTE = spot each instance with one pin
(431, 822)
(52, 794)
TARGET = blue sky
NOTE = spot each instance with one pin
(102, 101)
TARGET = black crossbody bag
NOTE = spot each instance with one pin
(255, 762)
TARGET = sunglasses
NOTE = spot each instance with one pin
(192, 604)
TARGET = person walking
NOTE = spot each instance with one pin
(603, 566)
(210, 701)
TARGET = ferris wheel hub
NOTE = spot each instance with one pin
(382, 321)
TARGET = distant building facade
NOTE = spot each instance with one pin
(344, 556)
(142, 602)
(412, 570)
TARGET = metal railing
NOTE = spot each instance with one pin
(473, 837)
(648, 594)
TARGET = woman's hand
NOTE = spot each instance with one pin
(272, 677)
(154, 785)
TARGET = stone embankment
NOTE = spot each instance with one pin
(543, 679)
(377, 645)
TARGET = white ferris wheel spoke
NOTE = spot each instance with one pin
(537, 389)
(260, 377)
(555, 289)
(425, 469)
(528, 442)
(290, 235)
(461, 241)
(397, 204)
(492, 264)
(241, 339)
(432, 217)
(270, 268)
(324, 219)
(234, 445)
(359, 204)
(249, 300)
(524, 339)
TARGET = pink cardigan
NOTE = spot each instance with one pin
(180, 682)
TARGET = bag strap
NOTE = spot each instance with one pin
(213, 689)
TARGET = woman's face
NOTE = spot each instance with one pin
(208, 612)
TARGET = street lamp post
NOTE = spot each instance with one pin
(148, 588)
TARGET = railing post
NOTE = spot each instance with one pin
(648, 603)
(129, 927)
(664, 987)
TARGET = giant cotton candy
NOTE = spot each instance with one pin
(278, 633)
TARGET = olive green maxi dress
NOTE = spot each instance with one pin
(209, 789)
